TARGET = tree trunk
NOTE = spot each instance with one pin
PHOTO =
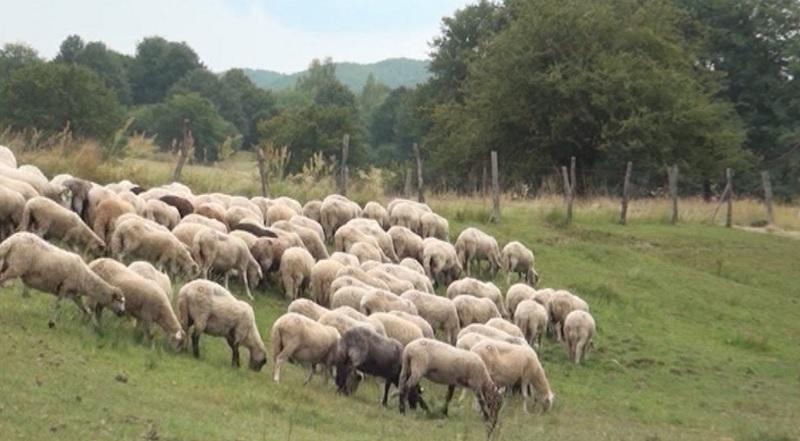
(673, 191)
(495, 190)
(626, 188)
(768, 196)
(420, 189)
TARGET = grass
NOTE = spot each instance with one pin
(686, 351)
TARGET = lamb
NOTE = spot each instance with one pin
(398, 328)
(161, 213)
(531, 317)
(424, 326)
(154, 244)
(516, 294)
(48, 268)
(579, 332)
(312, 210)
(406, 243)
(323, 273)
(336, 211)
(366, 252)
(510, 364)
(519, 259)
(373, 210)
(378, 300)
(505, 326)
(183, 205)
(345, 259)
(48, 219)
(474, 310)
(433, 225)
(304, 341)
(144, 300)
(195, 218)
(560, 305)
(310, 238)
(295, 269)
(363, 350)
(414, 265)
(395, 284)
(206, 307)
(279, 212)
(349, 295)
(309, 223)
(440, 261)
(106, 214)
(474, 244)
(149, 272)
(441, 363)
(12, 204)
(439, 312)
(211, 210)
(225, 253)
(7, 157)
(307, 308)
(476, 288)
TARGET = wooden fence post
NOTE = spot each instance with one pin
(262, 170)
(495, 190)
(672, 173)
(626, 188)
(569, 187)
(484, 181)
(407, 184)
(729, 214)
(187, 145)
(768, 196)
(344, 171)
(420, 189)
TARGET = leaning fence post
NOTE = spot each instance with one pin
(495, 190)
(729, 214)
(672, 173)
(626, 188)
(420, 190)
(344, 171)
(407, 185)
(765, 181)
(569, 187)
(183, 153)
(262, 170)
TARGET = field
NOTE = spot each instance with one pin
(697, 340)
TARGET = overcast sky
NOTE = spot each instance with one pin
(279, 35)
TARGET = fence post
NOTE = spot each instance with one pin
(183, 153)
(569, 187)
(768, 196)
(484, 181)
(262, 170)
(344, 171)
(407, 184)
(495, 190)
(626, 188)
(729, 214)
(420, 189)
(672, 173)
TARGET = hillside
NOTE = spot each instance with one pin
(394, 72)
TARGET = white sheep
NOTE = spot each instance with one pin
(406, 214)
(560, 305)
(516, 294)
(474, 244)
(375, 211)
(531, 317)
(343, 319)
(378, 300)
(295, 269)
(304, 341)
(195, 218)
(152, 243)
(7, 157)
(349, 295)
(106, 214)
(161, 213)
(323, 273)
(440, 260)
(363, 276)
(439, 312)
(579, 332)
(310, 238)
(226, 254)
(417, 279)
(279, 212)
(474, 309)
(506, 326)
(48, 219)
(398, 328)
(345, 259)
(433, 225)
(12, 204)
(149, 272)
(407, 244)
(517, 258)
(422, 324)
(414, 264)
(336, 211)
(477, 288)
(307, 308)
(312, 209)
(303, 221)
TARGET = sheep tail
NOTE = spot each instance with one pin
(117, 242)
(276, 343)
(183, 312)
(27, 219)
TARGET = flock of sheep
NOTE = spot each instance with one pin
(367, 309)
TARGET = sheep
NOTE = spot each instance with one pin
(366, 252)
(243, 202)
(433, 225)
(468, 340)
(519, 259)
(106, 214)
(516, 294)
(372, 354)
(119, 187)
(323, 274)
(414, 264)
(348, 235)
(152, 243)
(295, 269)
(510, 364)
(304, 341)
(310, 238)
(144, 300)
(267, 252)
(531, 318)
(183, 205)
(543, 295)
(372, 229)
(312, 210)
(363, 276)
(378, 300)
(345, 259)
(307, 308)
(439, 312)
(474, 310)
(195, 218)
(211, 210)
(373, 210)
(289, 202)
(348, 295)
(12, 205)
(476, 288)
(490, 332)
(248, 238)
(187, 231)
(303, 221)
(336, 211)
(560, 305)
(440, 261)
(236, 214)
(422, 324)
(279, 212)
(406, 214)
(444, 364)
(406, 243)
(7, 157)
(345, 318)
(26, 190)
(149, 272)
(579, 332)
(395, 284)
(421, 206)
(376, 325)
(398, 328)
(161, 213)
(474, 244)
(48, 219)
(506, 326)
(225, 253)
(36, 180)
(206, 307)
(48, 268)
(418, 280)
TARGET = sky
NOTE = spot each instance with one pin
(282, 35)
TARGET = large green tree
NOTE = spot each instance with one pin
(14, 56)
(157, 66)
(111, 66)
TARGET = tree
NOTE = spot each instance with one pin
(157, 66)
(70, 48)
(166, 121)
(15, 56)
(50, 96)
(225, 99)
(372, 95)
(109, 65)
(322, 87)
(257, 104)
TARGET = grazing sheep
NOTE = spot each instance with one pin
(135, 201)
(187, 231)
(407, 244)
(183, 205)
(254, 209)
(154, 244)
(372, 229)
(439, 312)
(211, 210)
(345, 318)
(307, 308)
(304, 341)
(366, 252)
(336, 211)
(375, 211)
(531, 317)
(476, 288)
(149, 272)
(394, 283)
(312, 210)
(516, 294)
(468, 340)
(421, 206)
(289, 202)
(237, 215)
(106, 214)
(144, 300)
(161, 213)
(519, 259)
(323, 273)
(310, 238)
(372, 354)
(560, 305)
(417, 279)
(506, 326)
(440, 261)
(354, 314)
(433, 225)
(489, 331)
(47, 219)
(195, 218)
(36, 180)
(295, 269)
(362, 275)
(349, 295)
(378, 300)
(268, 252)
(345, 259)
(414, 264)
(543, 295)
(12, 205)
(398, 328)
(444, 364)
(279, 212)
(406, 214)
(511, 365)
(7, 157)
(474, 309)
(206, 307)
(226, 254)
(48, 268)
(303, 221)
(248, 238)
(474, 244)
(579, 332)
(422, 324)
(26, 190)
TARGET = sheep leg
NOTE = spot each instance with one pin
(450, 390)
(234, 350)
(386, 386)
(578, 350)
(246, 285)
(526, 393)
(196, 344)
(279, 361)
(56, 309)
(227, 273)
(310, 374)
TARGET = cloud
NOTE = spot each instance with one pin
(224, 34)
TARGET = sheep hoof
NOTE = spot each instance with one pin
(51, 324)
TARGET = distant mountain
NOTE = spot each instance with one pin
(393, 72)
